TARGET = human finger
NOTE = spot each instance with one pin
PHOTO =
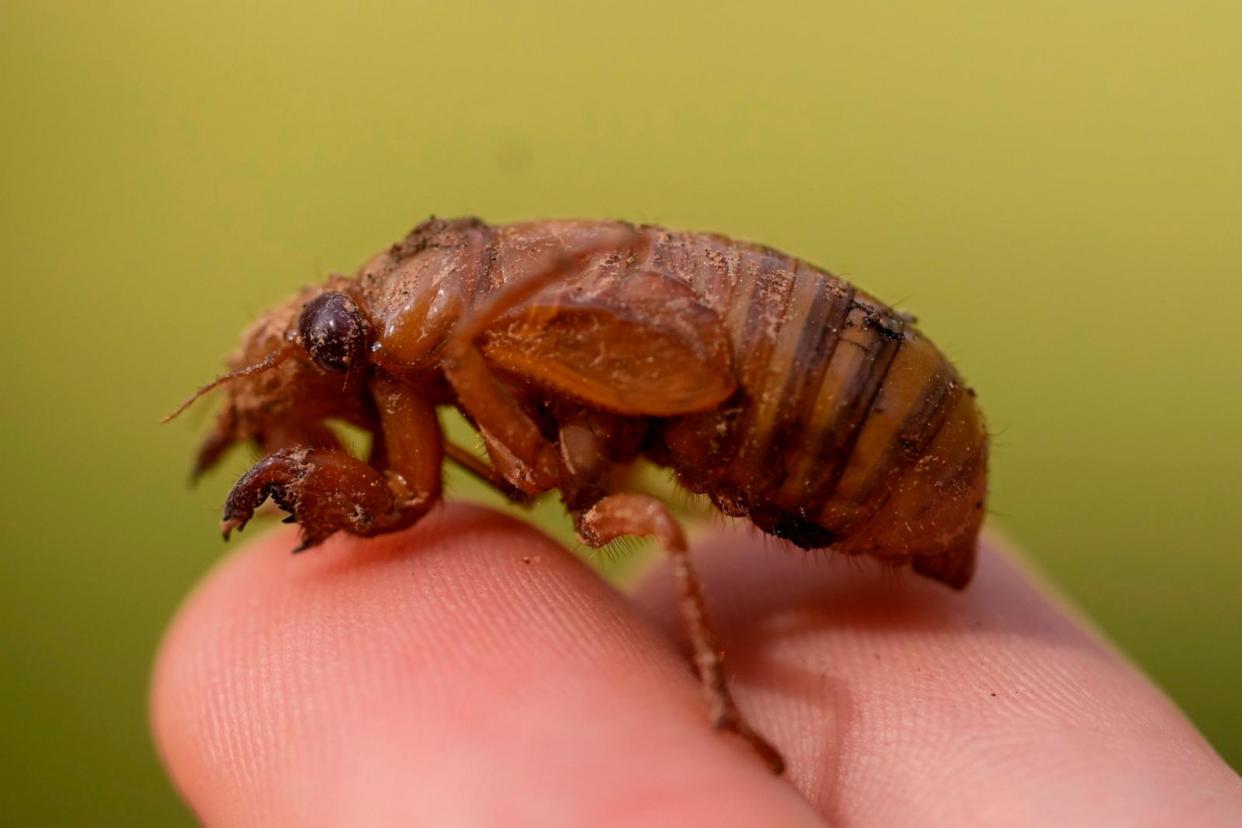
(466, 672)
(900, 702)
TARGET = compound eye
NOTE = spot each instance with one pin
(334, 332)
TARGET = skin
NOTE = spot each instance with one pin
(468, 671)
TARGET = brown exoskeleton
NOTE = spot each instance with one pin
(577, 347)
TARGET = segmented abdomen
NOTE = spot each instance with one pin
(849, 429)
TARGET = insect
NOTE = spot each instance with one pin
(778, 390)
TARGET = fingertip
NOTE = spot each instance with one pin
(467, 671)
(271, 647)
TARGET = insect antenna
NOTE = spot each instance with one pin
(270, 361)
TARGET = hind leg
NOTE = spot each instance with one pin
(637, 514)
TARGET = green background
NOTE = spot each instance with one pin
(1054, 187)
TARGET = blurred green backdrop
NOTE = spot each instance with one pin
(1054, 187)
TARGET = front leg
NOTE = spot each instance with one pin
(638, 514)
(329, 490)
(324, 490)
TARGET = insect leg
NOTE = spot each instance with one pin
(329, 490)
(636, 514)
(325, 490)
(466, 460)
(519, 451)
(413, 445)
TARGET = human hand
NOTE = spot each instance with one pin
(471, 672)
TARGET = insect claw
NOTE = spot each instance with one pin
(308, 542)
(229, 524)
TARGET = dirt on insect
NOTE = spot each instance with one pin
(576, 348)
